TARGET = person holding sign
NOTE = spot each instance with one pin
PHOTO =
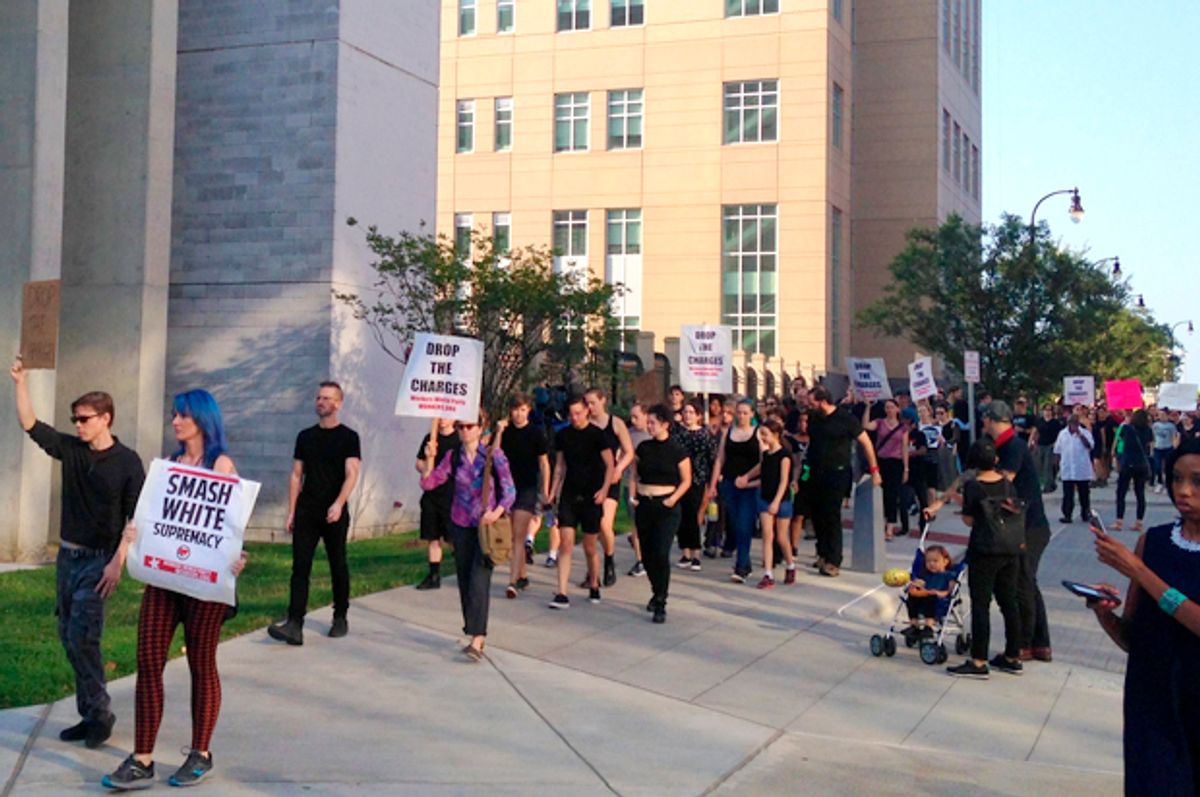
(101, 479)
(463, 469)
(200, 432)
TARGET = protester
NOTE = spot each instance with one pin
(524, 446)
(435, 504)
(891, 447)
(1073, 450)
(1045, 434)
(325, 466)
(1024, 421)
(773, 476)
(800, 510)
(1166, 437)
(676, 397)
(934, 442)
(637, 433)
(700, 448)
(1160, 629)
(200, 432)
(1134, 441)
(737, 454)
(617, 435)
(948, 454)
(101, 480)
(715, 536)
(1104, 432)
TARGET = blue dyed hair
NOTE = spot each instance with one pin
(201, 407)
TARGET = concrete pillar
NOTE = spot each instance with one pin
(868, 551)
(33, 79)
(645, 350)
(117, 210)
(758, 362)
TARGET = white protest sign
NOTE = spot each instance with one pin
(1079, 390)
(868, 375)
(442, 378)
(190, 524)
(707, 354)
(971, 367)
(1177, 396)
(920, 379)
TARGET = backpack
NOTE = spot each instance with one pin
(495, 539)
(1005, 518)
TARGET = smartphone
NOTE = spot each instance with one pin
(1086, 591)
(1097, 523)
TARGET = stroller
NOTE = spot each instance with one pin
(951, 618)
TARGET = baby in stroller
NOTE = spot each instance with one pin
(935, 600)
(926, 594)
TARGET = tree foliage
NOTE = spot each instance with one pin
(535, 324)
(1033, 311)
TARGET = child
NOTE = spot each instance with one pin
(925, 592)
(772, 476)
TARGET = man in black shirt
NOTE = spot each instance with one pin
(831, 431)
(1045, 435)
(325, 469)
(101, 480)
(524, 444)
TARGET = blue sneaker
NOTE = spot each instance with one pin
(195, 768)
(130, 776)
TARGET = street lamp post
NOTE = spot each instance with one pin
(1075, 212)
(1115, 260)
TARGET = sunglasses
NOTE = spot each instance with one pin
(461, 425)
(82, 418)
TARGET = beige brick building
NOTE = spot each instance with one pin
(702, 152)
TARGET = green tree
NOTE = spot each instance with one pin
(536, 324)
(1033, 311)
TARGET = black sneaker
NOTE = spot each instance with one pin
(522, 584)
(98, 732)
(289, 631)
(660, 614)
(193, 770)
(130, 776)
(637, 570)
(76, 733)
(652, 605)
(560, 602)
(594, 595)
(528, 552)
(1004, 665)
(968, 669)
(738, 577)
(340, 627)
(610, 571)
(684, 563)
(695, 566)
(432, 581)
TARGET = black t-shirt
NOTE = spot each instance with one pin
(1048, 430)
(741, 456)
(1024, 424)
(523, 447)
(771, 473)
(582, 451)
(1189, 434)
(446, 442)
(983, 539)
(1014, 457)
(830, 437)
(658, 462)
(324, 453)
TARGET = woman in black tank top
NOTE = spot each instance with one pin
(739, 453)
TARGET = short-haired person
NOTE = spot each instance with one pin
(737, 455)
(1046, 430)
(773, 477)
(325, 466)
(200, 432)
(617, 435)
(663, 475)
(528, 456)
(1134, 442)
(676, 397)
(462, 467)
(101, 481)
(1073, 449)
(436, 503)
(583, 471)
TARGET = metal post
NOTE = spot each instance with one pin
(971, 408)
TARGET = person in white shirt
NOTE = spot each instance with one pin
(1073, 450)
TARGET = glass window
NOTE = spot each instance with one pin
(838, 10)
(571, 122)
(506, 19)
(570, 233)
(749, 252)
(835, 286)
(975, 50)
(945, 140)
(975, 172)
(956, 41)
(504, 122)
(624, 234)
(466, 17)
(946, 26)
(627, 12)
(462, 236)
(966, 163)
(574, 14)
(751, 111)
(965, 66)
(465, 140)
(956, 159)
(625, 119)
(839, 98)
(502, 233)
(750, 8)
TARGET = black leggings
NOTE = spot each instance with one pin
(656, 528)
(689, 524)
(891, 470)
(997, 575)
(1138, 477)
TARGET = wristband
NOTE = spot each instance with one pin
(874, 469)
(1171, 600)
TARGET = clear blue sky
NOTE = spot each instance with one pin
(1105, 95)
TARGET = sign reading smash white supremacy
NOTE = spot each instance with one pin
(707, 354)
(442, 378)
(190, 524)
(868, 375)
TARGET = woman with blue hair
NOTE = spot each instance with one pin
(200, 433)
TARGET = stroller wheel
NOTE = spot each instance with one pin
(876, 645)
(889, 647)
(960, 644)
(941, 654)
(929, 653)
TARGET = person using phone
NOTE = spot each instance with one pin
(1160, 629)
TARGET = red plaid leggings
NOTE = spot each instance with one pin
(162, 610)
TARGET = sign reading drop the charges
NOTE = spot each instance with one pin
(442, 378)
(190, 524)
(707, 354)
(868, 375)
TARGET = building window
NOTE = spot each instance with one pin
(625, 119)
(570, 233)
(975, 172)
(839, 97)
(835, 286)
(975, 50)
(946, 140)
(946, 26)
(465, 140)
(571, 122)
(466, 17)
(750, 8)
(506, 16)
(751, 111)
(462, 236)
(749, 253)
(956, 42)
(956, 158)
(627, 12)
(504, 121)
(966, 163)
(624, 234)
(623, 264)
(501, 234)
(837, 9)
(574, 14)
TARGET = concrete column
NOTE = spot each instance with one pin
(117, 210)
(645, 349)
(33, 78)
(758, 362)
(671, 349)
(868, 552)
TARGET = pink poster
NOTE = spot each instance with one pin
(1123, 394)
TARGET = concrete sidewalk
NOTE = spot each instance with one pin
(741, 692)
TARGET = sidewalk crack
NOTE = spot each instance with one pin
(26, 750)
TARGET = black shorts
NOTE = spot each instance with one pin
(579, 512)
(527, 500)
(800, 501)
(614, 492)
(435, 518)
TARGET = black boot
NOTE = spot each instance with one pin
(434, 579)
(610, 571)
(340, 627)
(289, 631)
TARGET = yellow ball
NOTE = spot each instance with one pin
(896, 577)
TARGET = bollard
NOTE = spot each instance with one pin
(868, 553)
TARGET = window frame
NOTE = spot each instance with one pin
(626, 118)
(575, 12)
(496, 124)
(501, 253)
(459, 227)
(837, 115)
(461, 106)
(572, 120)
(569, 220)
(740, 215)
(627, 6)
(743, 92)
(743, 5)
(466, 7)
(511, 5)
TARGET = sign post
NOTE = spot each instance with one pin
(971, 377)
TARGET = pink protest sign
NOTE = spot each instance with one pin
(1123, 394)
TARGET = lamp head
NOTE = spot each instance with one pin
(1076, 211)
(1141, 302)
(1116, 266)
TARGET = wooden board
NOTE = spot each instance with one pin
(39, 323)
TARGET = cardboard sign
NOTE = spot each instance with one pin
(920, 379)
(971, 367)
(1123, 394)
(868, 376)
(442, 378)
(707, 354)
(1079, 390)
(1177, 396)
(39, 324)
(190, 525)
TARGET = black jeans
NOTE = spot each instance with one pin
(891, 470)
(999, 575)
(828, 492)
(310, 529)
(689, 526)
(1085, 498)
(1138, 476)
(80, 611)
(474, 579)
(1035, 630)
(657, 525)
